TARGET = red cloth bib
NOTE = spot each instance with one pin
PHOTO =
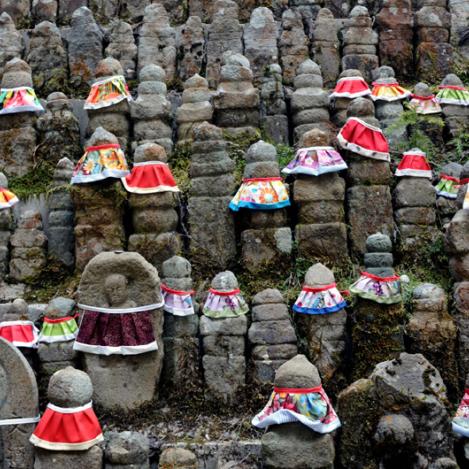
(150, 177)
(67, 429)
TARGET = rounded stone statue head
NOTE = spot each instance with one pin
(116, 290)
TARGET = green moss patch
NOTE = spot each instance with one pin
(36, 181)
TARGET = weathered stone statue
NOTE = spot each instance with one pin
(321, 317)
(377, 332)
(223, 328)
(300, 417)
(120, 332)
(69, 430)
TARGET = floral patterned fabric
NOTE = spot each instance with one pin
(261, 194)
(448, 186)
(457, 95)
(177, 302)
(107, 92)
(311, 407)
(116, 333)
(321, 300)
(388, 92)
(100, 162)
(315, 161)
(7, 198)
(224, 304)
(465, 204)
(21, 99)
(58, 330)
(461, 419)
(385, 290)
(424, 104)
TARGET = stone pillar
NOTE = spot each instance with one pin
(114, 118)
(447, 207)
(414, 203)
(260, 41)
(6, 225)
(274, 120)
(267, 242)
(196, 107)
(271, 335)
(154, 216)
(69, 388)
(85, 48)
(54, 356)
(321, 232)
(19, 400)
(424, 107)
(150, 112)
(456, 115)
(223, 341)
(378, 316)
(396, 416)
(309, 102)
(181, 359)
(236, 101)
(325, 46)
(434, 53)
(61, 241)
(157, 41)
(293, 44)
(395, 22)
(212, 234)
(224, 34)
(360, 41)
(325, 332)
(48, 58)
(11, 40)
(127, 450)
(309, 11)
(29, 245)
(191, 48)
(293, 445)
(58, 131)
(17, 134)
(431, 331)
(98, 212)
(123, 383)
(368, 181)
(122, 47)
(338, 105)
(388, 111)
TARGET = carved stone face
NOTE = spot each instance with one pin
(116, 291)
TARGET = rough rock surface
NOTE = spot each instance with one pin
(407, 386)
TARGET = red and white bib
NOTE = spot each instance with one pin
(67, 429)
(19, 333)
